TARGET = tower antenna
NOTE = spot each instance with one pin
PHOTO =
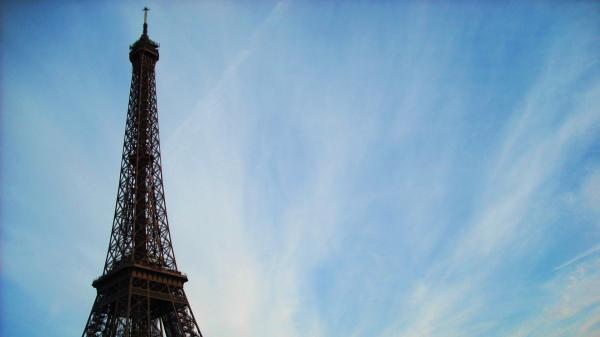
(146, 9)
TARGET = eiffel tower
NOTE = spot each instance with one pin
(140, 292)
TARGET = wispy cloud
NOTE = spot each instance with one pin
(454, 298)
(579, 257)
(570, 306)
(349, 169)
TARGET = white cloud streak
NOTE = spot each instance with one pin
(449, 301)
(325, 207)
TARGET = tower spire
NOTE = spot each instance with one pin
(146, 9)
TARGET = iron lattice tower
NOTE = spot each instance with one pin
(140, 292)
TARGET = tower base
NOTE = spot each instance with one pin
(136, 300)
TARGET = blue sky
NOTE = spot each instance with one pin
(331, 168)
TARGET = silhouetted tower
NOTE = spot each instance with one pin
(140, 292)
